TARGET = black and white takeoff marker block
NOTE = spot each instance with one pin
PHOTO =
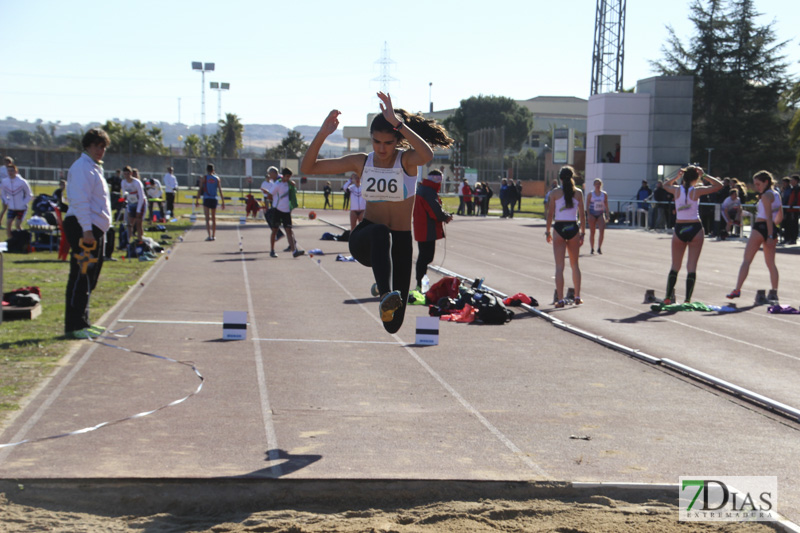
(234, 325)
(428, 330)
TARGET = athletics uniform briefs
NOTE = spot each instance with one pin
(566, 218)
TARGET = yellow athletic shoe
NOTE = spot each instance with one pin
(390, 303)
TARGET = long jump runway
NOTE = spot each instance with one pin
(320, 391)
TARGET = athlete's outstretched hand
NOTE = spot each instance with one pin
(387, 109)
(331, 122)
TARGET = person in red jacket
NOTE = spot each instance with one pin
(429, 218)
(468, 198)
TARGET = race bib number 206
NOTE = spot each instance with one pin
(380, 187)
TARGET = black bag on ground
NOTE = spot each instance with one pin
(491, 309)
(20, 241)
(43, 204)
(123, 237)
(22, 299)
(135, 249)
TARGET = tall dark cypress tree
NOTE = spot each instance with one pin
(758, 129)
(791, 103)
(739, 78)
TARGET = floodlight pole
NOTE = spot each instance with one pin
(219, 87)
(203, 68)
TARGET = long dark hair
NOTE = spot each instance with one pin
(431, 131)
(566, 175)
(690, 175)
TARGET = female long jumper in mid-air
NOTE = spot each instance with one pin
(401, 142)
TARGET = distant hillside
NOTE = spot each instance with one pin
(256, 137)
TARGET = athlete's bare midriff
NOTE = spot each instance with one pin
(395, 215)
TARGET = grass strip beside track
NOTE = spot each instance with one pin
(31, 348)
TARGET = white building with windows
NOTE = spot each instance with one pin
(638, 136)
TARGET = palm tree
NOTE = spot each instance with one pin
(192, 146)
(230, 131)
(136, 139)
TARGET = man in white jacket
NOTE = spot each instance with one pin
(85, 226)
(3, 177)
(16, 195)
(171, 189)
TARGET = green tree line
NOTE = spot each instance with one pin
(138, 139)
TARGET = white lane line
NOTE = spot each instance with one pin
(327, 341)
(266, 409)
(133, 321)
(638, 310)
(472, 410)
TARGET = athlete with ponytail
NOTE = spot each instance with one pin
(565, 207)
(688, 232)
(401, 143)
(769, 214)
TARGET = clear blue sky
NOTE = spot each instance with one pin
(290, 62)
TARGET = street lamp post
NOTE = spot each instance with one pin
(430, 100)
(203, 68)
(219, 87)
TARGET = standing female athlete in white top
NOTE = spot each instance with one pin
(357, 203)
(688, 231)
(565, 206)
(388, 184)
(769, 214)
(597, 206)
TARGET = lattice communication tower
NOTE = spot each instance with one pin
(609, 47)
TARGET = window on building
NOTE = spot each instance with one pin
(608, 148)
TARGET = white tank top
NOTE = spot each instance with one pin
(686, 209)
(387, 184)
(564, 213)
(776, 203)
(597, 205)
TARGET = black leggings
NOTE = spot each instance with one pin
(424, 258)
(389, 254)
(79, 285)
